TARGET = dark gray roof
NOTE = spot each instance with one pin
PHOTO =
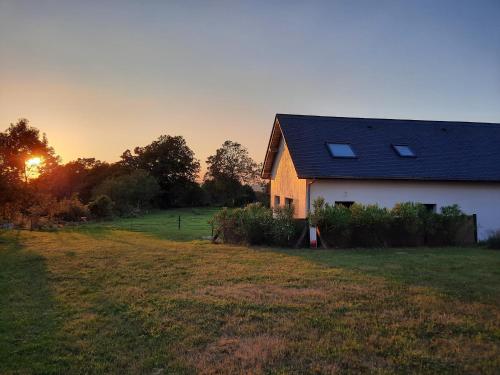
(445, 151)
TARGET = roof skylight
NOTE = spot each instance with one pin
(404, 151)
(341, 150)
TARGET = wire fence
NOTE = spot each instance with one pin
(184, 225)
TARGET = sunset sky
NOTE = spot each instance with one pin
(103, 76)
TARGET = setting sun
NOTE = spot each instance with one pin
(34, 162)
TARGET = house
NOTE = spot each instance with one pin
(384, 162)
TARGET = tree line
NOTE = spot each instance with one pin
(161, 174)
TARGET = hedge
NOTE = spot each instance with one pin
(406, 224)
(256, 224)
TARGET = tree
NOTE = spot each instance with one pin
(18, 144)
(229, 172)
(80, 177)
(232, 162)
(169, 160)
(129, 192)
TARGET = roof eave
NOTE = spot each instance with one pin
(271, 151)
(420, 179)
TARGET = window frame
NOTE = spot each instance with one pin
(327, 144)
(277, 201)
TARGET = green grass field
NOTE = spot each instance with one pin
(194, 224)
(137, 296)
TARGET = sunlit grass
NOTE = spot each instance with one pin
(121, 301)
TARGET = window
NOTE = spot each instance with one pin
(288, 202)
(431, 207)
(344, 203)
(404, 151)
(277, 201)
(341, 150)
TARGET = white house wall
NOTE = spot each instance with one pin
(285, 183)
(473, 198)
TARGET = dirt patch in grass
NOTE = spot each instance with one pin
(237, 355)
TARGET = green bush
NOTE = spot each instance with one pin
(71, 209)
(370, 225)
(452, 221)
(255, 224)
(101, 207)
(227, 224)
(357, 225)
(284, 226)
(445, 228)
(406, 224)
(334, 222)
(251, 224)
(493, 241)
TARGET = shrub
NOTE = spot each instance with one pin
(257, 223)
(408, 224)
(493, 241)
(446, 228)
(452, 221)
(71, 209)
(101, 207)
(370, 225)
(252, 224)
(226, 223)
(284, 227)
(333, 221)
(42, 205)
(357, 225)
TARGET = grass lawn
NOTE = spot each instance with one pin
(194, 224)
(124, 297)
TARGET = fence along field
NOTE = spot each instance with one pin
(183, 224)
